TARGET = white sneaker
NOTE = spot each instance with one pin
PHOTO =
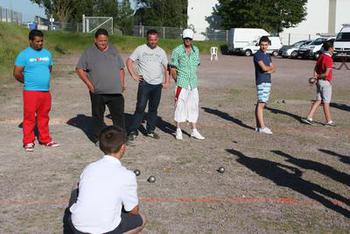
(179, 134)
(197, 135)
(265, 130)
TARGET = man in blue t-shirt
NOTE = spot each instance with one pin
(33, 68)
(263, 69)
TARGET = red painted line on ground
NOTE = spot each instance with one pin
(231, 200)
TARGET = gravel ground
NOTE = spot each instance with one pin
(295, 181)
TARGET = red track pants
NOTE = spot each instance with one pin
(36, 104)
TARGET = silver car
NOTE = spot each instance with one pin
(292, 50)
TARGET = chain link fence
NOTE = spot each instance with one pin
(175, 33)
(10, 16)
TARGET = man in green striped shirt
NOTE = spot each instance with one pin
(184, 63)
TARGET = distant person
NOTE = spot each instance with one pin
(263, 70)
(101, 68)
(184, 64)
(33, 67)
(152, 75)
(323, 75)
(107, 200)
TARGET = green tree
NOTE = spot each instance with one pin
(162, 13)
(72, 11)
(106, 8)
(81, 8)
(59, 9)
(125, 19)
(272, 15)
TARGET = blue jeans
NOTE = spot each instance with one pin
(151, 94)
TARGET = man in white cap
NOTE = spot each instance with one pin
(184, 63)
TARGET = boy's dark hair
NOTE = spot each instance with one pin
(152, 32)
(327, 45)
(111, 139)
(35, 33)
(101, 31)
(265, 39)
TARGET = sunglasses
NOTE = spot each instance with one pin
(187, 38)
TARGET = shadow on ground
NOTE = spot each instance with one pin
(291, 177)
(281, 112)
(316, 166)
(227, 117)
(340, 106)
(86, 124)
(343, 158)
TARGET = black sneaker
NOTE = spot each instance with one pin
(132, 136)
(307, 121)
(153, 135)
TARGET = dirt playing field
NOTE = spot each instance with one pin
(295, 181)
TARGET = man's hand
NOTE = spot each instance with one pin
(135, 210)
(137, 77)
(91, 88)
(165, 85)
(83, 76)
(173, 73)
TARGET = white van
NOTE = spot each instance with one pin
(342, 42)
(275, 46)
(239, 38)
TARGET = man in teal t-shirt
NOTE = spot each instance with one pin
(33, 68)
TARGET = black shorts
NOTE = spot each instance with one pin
(127, 223)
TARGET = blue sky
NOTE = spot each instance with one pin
(26, 7)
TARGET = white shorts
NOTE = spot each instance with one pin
(186, 107)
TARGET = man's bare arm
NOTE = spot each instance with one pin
(273, 69)
(325, 74)
(130, 66)
(83, 76)
(18, 73)
(122, 78)
(173, 73)
(166, 81)
(265, 68)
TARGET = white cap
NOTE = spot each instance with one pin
(187, 33)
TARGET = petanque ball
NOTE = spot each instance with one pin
(137, 172)
(312, 80)
(221, 170)
(151, 179)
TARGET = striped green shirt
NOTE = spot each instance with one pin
(186, 66)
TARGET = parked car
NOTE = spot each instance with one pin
(276, 44)
(342, 42)
(313, 49)
(291, 51)
(239, 38)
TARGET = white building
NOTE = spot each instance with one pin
(197, 11)
(323, 16)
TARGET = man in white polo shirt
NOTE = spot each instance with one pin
(105, 189)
